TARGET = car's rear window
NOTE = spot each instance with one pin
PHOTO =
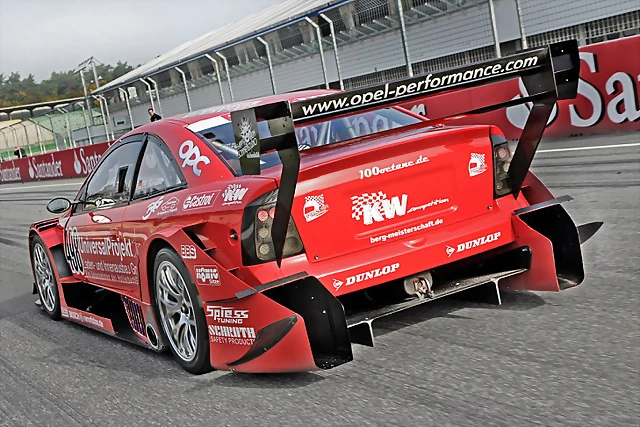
(310, 136)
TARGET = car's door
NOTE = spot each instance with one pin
(154, 199)
(95, 247)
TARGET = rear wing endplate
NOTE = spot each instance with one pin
(548, 73)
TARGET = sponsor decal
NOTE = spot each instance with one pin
(191, 157)
(227, 314)
(200, 200)
(188, 252)
(248, 140)
(86, 318)
(83, 165)
(375, 170)
(233, 194)
(207, 275)
(236, 335)
(367, 275)
(11, 174)
(52, 169)
(406, 230)
(375, 207)
(169, 207)
(434, 202)
(314, 207)
(417, 86)
(152, 207)
(477, 164)
(76, 246)
(489, 238)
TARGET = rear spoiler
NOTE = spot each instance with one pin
(548, 73)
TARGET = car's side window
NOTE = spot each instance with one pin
(158, 172)
(111, 182)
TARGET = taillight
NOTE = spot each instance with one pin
(501, 163)
(257, 241)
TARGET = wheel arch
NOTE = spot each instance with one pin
(155, 245)
(53, 242)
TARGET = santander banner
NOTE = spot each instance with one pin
(607, 98)
(72, 163)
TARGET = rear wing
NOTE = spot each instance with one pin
(548, 73)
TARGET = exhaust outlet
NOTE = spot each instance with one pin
(420, 285)
(152, 336)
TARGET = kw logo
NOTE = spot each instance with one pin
(375, 207)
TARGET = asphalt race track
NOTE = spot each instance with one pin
(567, 359)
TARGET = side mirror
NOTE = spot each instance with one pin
(58, 205)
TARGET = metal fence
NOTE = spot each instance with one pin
(363, 42)
(57, 130)
(348, 45)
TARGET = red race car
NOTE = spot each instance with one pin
(267, 235)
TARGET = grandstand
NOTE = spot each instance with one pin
(362, 42)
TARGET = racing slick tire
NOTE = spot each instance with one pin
(180, 312)
(45, 277)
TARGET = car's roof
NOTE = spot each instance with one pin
(224, 109)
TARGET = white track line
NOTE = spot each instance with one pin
(597, 147)
(77, 184)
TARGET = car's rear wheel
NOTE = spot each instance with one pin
(45, 278)
(180, 312)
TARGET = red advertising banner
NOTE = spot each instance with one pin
(72, 163)
(607, 98)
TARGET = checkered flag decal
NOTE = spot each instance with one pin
(359, 202)
(478, 157)
(318, 199)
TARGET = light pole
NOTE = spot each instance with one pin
(106, 108)
(68, 122)
(155, 85)
(146, 83)
(126, 98)
(215, 64)
(266, 46)
(319, 37)
(104, 118)
(86, 125)
(186, 88)
(226, 70)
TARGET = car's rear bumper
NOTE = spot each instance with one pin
(538, 249)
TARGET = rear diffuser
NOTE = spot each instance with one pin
(360, 323)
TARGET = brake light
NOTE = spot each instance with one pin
(501, 163)
(257, 241)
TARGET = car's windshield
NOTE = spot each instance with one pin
(310, 136)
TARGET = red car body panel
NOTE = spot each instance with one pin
(369, 211)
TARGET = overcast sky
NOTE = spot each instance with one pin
(41, 36)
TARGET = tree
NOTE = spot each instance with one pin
(15, 90)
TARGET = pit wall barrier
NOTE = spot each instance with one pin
(71, 163)
(607, 98)
(607, 102)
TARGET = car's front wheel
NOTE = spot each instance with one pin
(45, 278)
(180, 311)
